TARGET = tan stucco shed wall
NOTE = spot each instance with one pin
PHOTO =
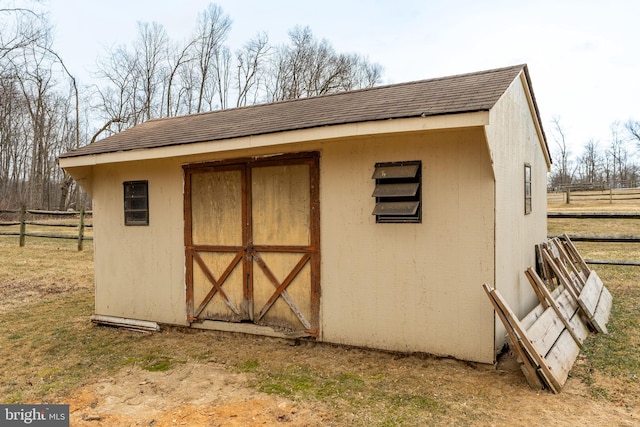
(409, 287)
(405, 287)
(514, 140)
(139, 270)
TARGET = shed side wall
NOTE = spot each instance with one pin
(410, 287)
(514, 141)
(139, 270)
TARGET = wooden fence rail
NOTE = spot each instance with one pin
(597, 215)
(602, 238)
(23, 222)
(611, 195)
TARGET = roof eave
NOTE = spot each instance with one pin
(323, 133)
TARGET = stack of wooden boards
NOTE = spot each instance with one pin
(573, 300)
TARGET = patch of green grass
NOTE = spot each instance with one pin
(417, 402)
(368, 398)
(291, 382)
(250, 365)
(341, 385)
(158, 366)
(306, 383)
(153, 362)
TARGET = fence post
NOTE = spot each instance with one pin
(610, 195)
(23, 225)
(568, 195)
(81, 229)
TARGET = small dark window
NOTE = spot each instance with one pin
(136, 203)
(527, 189)
(398, 192)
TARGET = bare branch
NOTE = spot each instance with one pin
(105, 127)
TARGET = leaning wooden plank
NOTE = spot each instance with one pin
(531, 317)
(544, 333)
(538, 359)
(576, 255)
(576, 274)
(566, 266)
(588, 298)
(561, 274)
(588, 301)
(551, 247)
(603, 310)
(543, 267)
(528, 368)
(544, 301)
(539, 287)
(562, 304)
(562, 356)
(569, 307)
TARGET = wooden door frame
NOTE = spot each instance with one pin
(310, 158)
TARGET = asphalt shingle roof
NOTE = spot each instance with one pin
(462, 93)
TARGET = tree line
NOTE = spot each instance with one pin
(45, 111)
(602, 164)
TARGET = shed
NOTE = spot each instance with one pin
(367, 218)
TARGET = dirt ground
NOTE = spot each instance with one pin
(197, 394)
(189, 395)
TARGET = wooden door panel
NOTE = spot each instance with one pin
(281, 290)
(281, 205)
(216, 208)
(218, 286)
(281, 219)
(216, 267)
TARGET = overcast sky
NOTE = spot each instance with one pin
(583, 55)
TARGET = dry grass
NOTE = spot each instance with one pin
(42, 268)
(50, 351)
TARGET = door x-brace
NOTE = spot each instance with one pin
(217, 284)
(281, 288)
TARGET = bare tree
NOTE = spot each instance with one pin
(150, 51)
(222, 78)
(20, 27)
(251, 61)
(590, 164)
(633, 129)
(12, 139)
(623, 174)
(177, 60)
(35, 81)
(309, 67)
(48, 122)
(364, 73)
(116, 98)
(561, 177)
(212, 29)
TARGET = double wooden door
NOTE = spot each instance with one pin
(252, 242)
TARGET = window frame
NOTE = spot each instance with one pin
(400, 191)
(132, 215)
(527, 189)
